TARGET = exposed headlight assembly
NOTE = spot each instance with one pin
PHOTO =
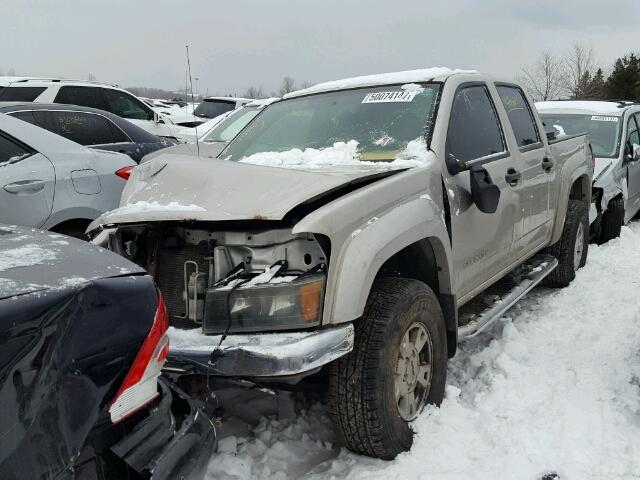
(265, 307)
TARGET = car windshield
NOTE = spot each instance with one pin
(230, 126)
(382, 120)
(213, 108)
(604, 130)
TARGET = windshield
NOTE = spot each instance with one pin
(381, 121)
(604, 130)
(213, 108)
(230, 126)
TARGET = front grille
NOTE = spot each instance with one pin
(170, 275)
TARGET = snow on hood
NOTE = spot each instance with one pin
(184, 187)
(341, 153)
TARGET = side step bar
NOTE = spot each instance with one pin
(488, 307)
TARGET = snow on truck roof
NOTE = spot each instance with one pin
(582, 107)
(407, 76)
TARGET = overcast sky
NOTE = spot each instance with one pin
(238, 43)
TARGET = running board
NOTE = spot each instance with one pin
(489, 306)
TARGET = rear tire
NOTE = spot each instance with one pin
(571, 250)
(612, 220)
(370, 389)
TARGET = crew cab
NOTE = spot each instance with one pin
(357, 231)
(613, 128)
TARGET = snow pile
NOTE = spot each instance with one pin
(408, 76)
(24, 256)
(552, 388)
(154, 206)
(415, 154)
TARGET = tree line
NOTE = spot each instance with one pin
(576, 75)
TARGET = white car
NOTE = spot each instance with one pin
(52, 183)
(613, 130)
(87, 94)
(238, 117)
(211, 107)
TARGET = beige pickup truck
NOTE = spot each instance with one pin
(353, 234)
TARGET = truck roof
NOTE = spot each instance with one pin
(594, 107)
(4, 81)
(407, 76)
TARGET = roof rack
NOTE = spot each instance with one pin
(621, 103)
(59, 80)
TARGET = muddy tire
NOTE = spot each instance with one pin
(612, 220)
(370, 389)
(571, 250)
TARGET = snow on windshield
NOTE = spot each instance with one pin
(415, 154)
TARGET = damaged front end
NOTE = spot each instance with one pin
(230, 280)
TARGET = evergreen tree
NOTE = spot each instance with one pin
(598, 86)
(624, 81)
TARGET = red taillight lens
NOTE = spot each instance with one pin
(140, 386)
(124, 172)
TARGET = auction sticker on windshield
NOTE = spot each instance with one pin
(598, 118)
(389, 97)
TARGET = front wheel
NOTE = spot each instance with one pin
(397, 366)
(612, 220)
(571, 250)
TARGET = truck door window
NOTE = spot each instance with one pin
(520, 115)
(474, 128)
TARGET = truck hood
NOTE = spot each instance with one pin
(184, 187)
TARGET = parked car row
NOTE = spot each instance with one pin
(363, 228)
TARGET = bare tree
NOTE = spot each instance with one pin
(306, 84)
(580, 67)
(91, 77)
(544, 80)
(287, 86)
(254, 92)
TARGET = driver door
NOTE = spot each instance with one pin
(482, 243)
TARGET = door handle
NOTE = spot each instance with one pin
(547, 164)
(513, 177)
(25, 186)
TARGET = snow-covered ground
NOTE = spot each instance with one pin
(554, 388)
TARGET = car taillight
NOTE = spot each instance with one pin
(140, 386)
(124, 172)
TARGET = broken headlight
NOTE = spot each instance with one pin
(264, 307)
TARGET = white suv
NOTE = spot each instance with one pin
(87, 94)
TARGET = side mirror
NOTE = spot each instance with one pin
(157, 117)
(484, 192)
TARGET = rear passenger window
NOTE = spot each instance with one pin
(11, 151)
(520, 115)
(36, 118)
(20, 94)
(126, 106)
(82, 128)
(474, 129)
(83, 96)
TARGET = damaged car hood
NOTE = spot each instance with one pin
(183, 187)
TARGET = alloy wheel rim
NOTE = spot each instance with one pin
(413, 371)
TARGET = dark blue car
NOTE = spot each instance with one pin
(82, 342)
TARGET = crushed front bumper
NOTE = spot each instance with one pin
(280, 354)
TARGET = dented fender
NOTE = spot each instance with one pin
(366, 229)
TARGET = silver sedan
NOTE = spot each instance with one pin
(52, 183)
